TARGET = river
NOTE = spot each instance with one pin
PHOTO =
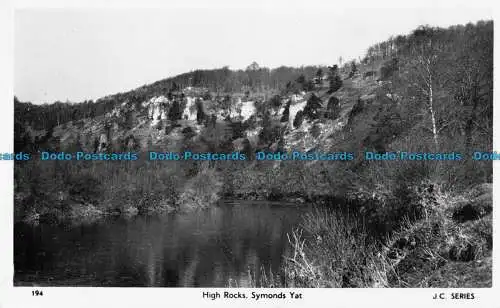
(217, 247)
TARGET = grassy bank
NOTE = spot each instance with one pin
(448, 245)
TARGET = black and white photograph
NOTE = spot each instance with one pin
(256, 148)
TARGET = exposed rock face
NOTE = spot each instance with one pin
(253, 136)
(298, 97)
(247, 110)
(149, 121)
(294, 109)
(103, 143)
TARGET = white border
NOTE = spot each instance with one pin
(190, 297)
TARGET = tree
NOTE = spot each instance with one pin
(308, 86)
(95, 145)
(291, 87)
(213, 120)
(319, 76)
(301, 80)
(128, 121)
(334, 79)
(75, 146)
(254, 66)
(299, 118)
(175, 113)
(425, 72)
(333, 108)
(389, 68)
(226, 104)
(275, 101)
(335, 84)
(267, 134)
(354, 68)
(286, 112)
(200, 113)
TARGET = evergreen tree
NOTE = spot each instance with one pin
(174, 113)
(334, 79)
(286, 113)
(200, 114)
(319, 75)
(299, 118)
(333, 108)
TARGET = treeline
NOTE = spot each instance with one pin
(404, 45)
(50, 115)
(254, 78)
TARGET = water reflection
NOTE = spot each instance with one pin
(206, 248)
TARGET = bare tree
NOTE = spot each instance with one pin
(425, 74)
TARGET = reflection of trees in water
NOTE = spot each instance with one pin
(204, 248)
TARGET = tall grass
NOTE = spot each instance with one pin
(334, 250)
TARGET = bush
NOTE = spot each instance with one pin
(332, 249)
(188, 132)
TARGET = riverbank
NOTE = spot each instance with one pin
(86, 191)
(448, 245)
(399, 234)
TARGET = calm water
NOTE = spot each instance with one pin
(206, 248)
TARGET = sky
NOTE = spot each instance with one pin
(79, 54)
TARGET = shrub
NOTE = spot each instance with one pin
(316, 130)
(333, 250)
(188, 132)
